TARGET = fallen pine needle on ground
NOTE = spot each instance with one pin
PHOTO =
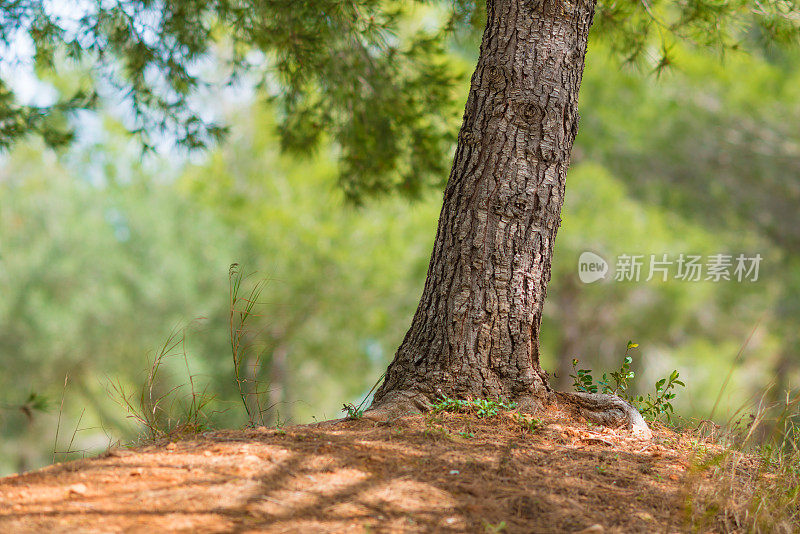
(444, 472)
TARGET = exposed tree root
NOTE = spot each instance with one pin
(397, 404)
(606, 410)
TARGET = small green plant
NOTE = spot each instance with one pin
(660, 403)
(480, 407)
(529, 424)
(279, 423)
(652, 406)
(436, 431)
(467, 435)
(583, 380)
(447, 404)
(490, 408)
(357, 412)
(32, 404)
(494, 528)
(622, 376)
(353, 411)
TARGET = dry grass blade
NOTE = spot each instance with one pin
(748, 479)
(161, 411)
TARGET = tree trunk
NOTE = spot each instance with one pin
(476, 331)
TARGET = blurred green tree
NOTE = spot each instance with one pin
(716, 144)
(102, 254)
(336, 295)
(97, 264)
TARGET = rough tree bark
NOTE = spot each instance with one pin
(476, 330)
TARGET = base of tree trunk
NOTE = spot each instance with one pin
(606, 410)
(400, 403)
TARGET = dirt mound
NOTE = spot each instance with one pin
(435, 473)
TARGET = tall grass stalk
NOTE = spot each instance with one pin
(165, 413)
(241, 318)
(748, 477)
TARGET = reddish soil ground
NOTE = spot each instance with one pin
(435, 473)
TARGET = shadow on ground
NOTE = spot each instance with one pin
(435, 473)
